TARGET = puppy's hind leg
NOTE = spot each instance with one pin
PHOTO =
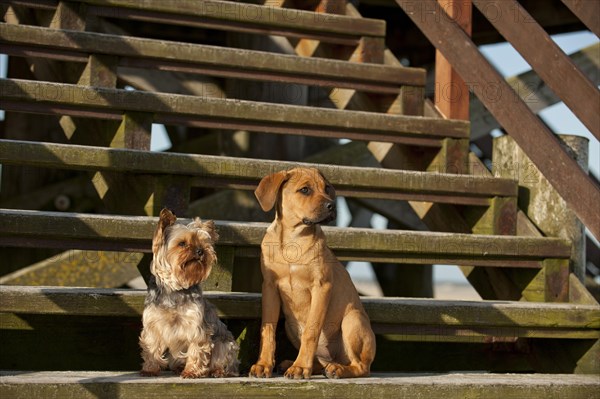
(359, 345)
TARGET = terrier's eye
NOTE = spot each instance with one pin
(182, 244)
(304, 190)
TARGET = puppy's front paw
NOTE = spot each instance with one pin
(261, 370)
(298, 372)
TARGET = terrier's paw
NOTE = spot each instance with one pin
(149, 373)
(193, 374)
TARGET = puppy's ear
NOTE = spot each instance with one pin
(331, 191)
(208, 226)
(268, 189)
(166, 219)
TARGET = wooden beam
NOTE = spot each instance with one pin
(23, 228)
(211, 60)
(587, 11)
(546, 58)
(451, 92)
(535, 139)
(533, 91)
(239, 17)
(79, 269)
(430, 312)
(120, 385)
(245, 173)
(44, 97)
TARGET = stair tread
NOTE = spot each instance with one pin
(247, 15)
(126, 233)
(245, 173)
(107, 103)
(213, 60)
(42, 377)
(479, 318)
(95, 384)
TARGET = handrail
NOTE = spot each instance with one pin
(587, 11)
(546, 58)
(537, 141)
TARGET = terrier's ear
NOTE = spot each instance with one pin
(208, 226)
(165, 219)
(268, 189)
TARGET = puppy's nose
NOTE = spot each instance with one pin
(199, 251)
(330, 206)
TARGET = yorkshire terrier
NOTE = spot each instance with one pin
(181, 329)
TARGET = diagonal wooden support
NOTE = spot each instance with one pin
(532, 89)
(546, 58)
(535, 139)
(587, 11)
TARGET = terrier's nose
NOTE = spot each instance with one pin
(199, 251)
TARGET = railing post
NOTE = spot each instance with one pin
(451, 92)
(539, 200)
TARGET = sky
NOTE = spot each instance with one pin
(509, 63)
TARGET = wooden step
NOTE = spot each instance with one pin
(126, 385)
(414, 319)
(245, 173)
(75, 329)
(123, 233)
(231, 16)
(34, 41)
(173, 109)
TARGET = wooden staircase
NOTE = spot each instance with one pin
(536, 317)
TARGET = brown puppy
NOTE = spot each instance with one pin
(324, 317)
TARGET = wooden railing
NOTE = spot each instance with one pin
(553, 66)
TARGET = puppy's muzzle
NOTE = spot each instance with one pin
(328, 214)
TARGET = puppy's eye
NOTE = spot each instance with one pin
(182, 244)
(304, 190)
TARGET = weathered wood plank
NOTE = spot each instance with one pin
(79, 269)
(531, 134)
(537, 48)
(120, 385)
(587, 11)
(211, 60)
(87, 343)
(134, 233)
(502, 315)
(246, 173)
(542, 204)
(237, 17)
(451, 92)
(44, 97)
(533, 91)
